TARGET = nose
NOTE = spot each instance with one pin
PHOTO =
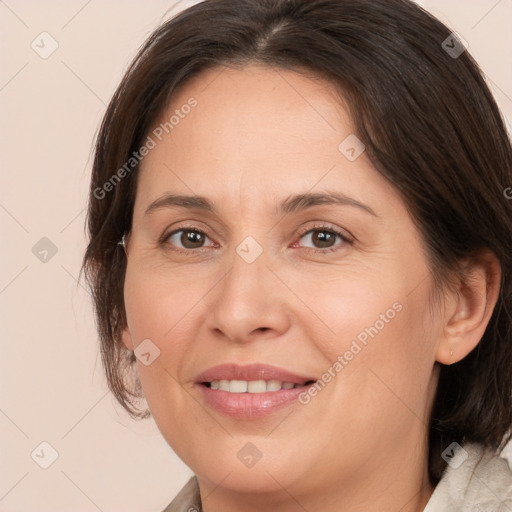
(249, 303)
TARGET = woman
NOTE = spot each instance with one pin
(300, 256)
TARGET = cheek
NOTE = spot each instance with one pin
(360, 307)
(159, 305)
(382, 337)
(394, 369)
(161, 309)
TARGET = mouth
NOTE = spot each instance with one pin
(252, 391)
(253, 386)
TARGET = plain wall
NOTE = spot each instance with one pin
(52, 386)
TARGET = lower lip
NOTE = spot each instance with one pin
(250, 406)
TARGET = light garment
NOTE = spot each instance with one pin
(475, 480)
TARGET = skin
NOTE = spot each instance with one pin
(256, 136)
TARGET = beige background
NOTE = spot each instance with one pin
(52, 387)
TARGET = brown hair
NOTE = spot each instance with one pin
(430, 126)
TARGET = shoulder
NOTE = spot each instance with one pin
(475, 480)
(188, 499)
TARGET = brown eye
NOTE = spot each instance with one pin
(186, 238)
(322, 238)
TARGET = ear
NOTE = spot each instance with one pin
(126, 338)
(469, 308)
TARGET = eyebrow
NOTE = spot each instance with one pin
(291, 204)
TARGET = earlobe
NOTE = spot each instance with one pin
(471, 308)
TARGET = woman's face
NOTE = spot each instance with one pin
(267, 285)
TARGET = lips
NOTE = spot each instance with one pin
(251, 391)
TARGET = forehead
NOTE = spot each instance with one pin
(257, 133)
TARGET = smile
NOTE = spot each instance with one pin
(252, 386)
(250, 392)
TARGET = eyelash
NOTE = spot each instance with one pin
(327, 229)
(347, 240)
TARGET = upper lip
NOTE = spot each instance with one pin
(251, 372)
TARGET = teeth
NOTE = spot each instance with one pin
(252, 386)
(256, 386)
(274, 385)
(238, 386)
